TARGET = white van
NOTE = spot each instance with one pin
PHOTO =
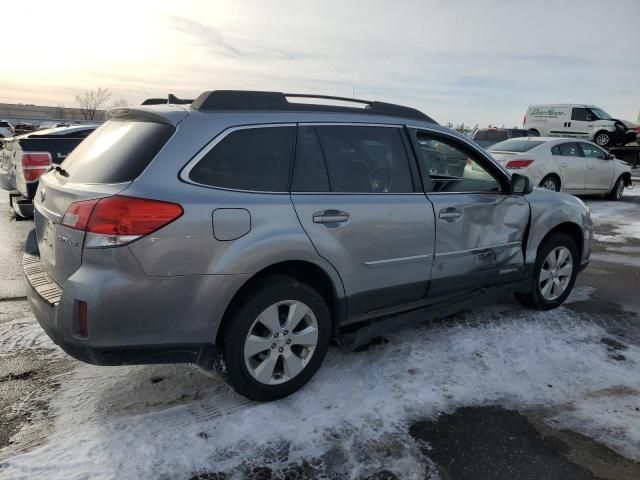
(579, 121)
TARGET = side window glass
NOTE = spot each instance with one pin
(556, 150)
(591, 151)
(365, 159)
(480, 135)
(309, 171)
(496, 135)
(581, 114)
(256, 159)
(569, 150)
(450, 168)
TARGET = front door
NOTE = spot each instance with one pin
(600, 169)
(359, 202)
(479, 225)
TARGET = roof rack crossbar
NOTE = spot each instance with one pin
(217, 100)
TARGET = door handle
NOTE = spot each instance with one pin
(450, 215)
(330, 216)
(563, 164)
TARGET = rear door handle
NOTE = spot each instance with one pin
(330, 216)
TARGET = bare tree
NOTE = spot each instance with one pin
(120, 102)
(91, 100)
(59, 111)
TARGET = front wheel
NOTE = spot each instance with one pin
(602, 138)
(617, 190)
(275, 339)
(554, 273)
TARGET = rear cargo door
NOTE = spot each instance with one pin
(101, 166)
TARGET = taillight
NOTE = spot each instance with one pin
(83, 319)
(34, 164)
(117, 220)
(517, 164)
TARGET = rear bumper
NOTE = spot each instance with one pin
(159, 320)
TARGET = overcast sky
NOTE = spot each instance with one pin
(459, 61)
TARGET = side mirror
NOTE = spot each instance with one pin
(611, 156)
(521, 184)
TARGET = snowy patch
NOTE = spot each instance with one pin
(609, 238)
(619, 214)
(353, 416)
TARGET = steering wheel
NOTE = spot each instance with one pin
(380, 180)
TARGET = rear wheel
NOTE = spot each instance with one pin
(554, 273)
(617, 191)
(551, 182)
(602, 138)
(275, 339)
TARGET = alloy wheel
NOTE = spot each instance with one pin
(550, 184)
(281, 342)
(555, 273)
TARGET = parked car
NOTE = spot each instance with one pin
(24, 158)
(579, 121)
(245, 231)
(6, 129)
(485, 137)
(24, 127)
(562, 164)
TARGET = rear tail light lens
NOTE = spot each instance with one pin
(117, 220)
(34, 164)
(517, 164)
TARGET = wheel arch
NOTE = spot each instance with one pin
(571, 229)
(627, 179)
(556, 175)
(303, 271)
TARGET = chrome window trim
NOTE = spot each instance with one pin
(387, 261)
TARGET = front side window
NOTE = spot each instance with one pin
(256, 159)
(365, 159)
(451, 167)
(591, 151)
(581, 114)
(601, 114)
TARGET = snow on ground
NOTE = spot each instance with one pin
(172, 421)
(617, 215)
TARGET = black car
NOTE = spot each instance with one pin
(24, 158)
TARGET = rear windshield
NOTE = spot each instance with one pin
(118, 151)
(514, 145)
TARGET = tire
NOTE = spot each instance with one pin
(541, 297)
(617, 191)
(602, 138)
(240, 360)
(550, 182)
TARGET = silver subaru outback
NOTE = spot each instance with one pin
(248, 230)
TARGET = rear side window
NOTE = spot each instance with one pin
(515, 145)
(365, 159)
(567, 150)
(480, 135)
(520, 133)
(118, 151)
(257, 159)
(496, 135)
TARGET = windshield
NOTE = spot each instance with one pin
(601, 114)
(515, 145)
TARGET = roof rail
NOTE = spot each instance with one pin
(171, 99)
(257, 100)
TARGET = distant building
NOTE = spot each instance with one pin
(17, 113)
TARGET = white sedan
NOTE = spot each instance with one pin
(562, 164)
